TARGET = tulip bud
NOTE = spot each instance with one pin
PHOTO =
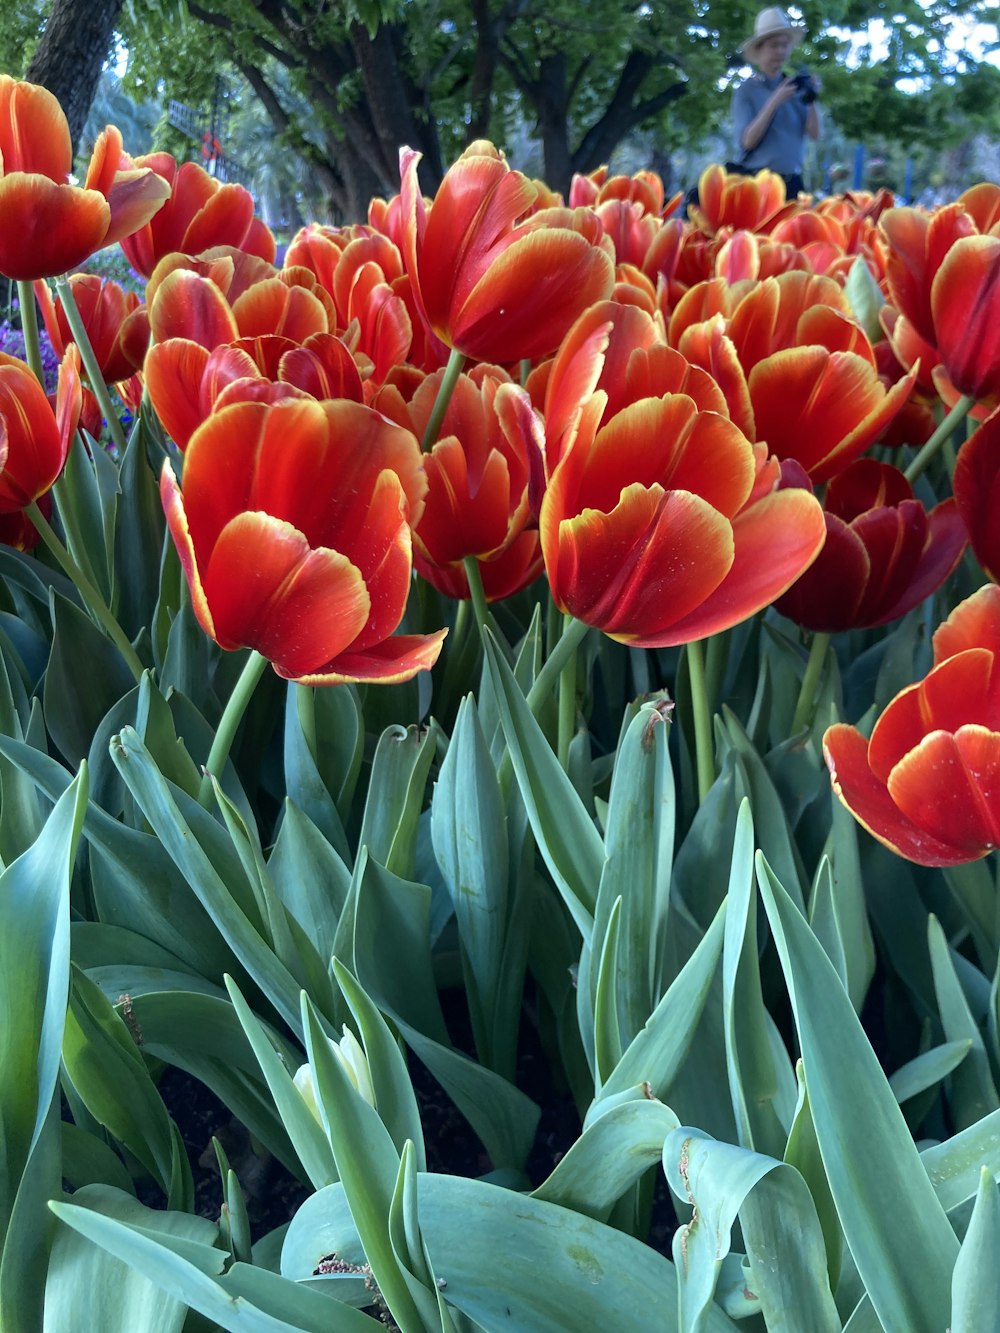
(354, 1062)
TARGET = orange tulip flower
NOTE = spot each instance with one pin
(293, 529)
(662, 525)
(976, 483)
(822, 408)
(491, 282)
(927, 783)
(748, 203)
(34, 438)
(48, 226)
(965, 297)
(882, 556)
(104, 308)
(478, 473)
(200, 213)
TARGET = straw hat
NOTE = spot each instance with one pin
(769, 23)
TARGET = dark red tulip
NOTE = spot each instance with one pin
(882, 556)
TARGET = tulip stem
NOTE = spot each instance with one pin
(806, 706)
(944, 432)
(574, 632)
(232, 716)
(64, 290)
(477, 595)
(445, 389)
(567, 702)
(29, 327)
(92, 599)
(702, 712)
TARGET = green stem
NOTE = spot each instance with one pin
(64, 290)
(92, 599)
(305, 708)
(29, 327)
(574, 633)
(806, 705)
(702, 710)
(232, 715)
(567, 703)
(445, 389)
(476, 594)
(944, 432)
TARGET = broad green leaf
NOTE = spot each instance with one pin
(973, 1093)
(305, 785)
(21, 812)
(136, 884)
(110, 1076)
(469, 833)
(567, 839)
(87, 1160)
(396, 796)
(660, 1049)
(975, 1283)
(138, 537)
(163, 805)
(603, 1031)
(802, 1152)
(639, 844)
(310, 877)
(953, 1166)
(571, 1272)
(367, 1163)
(190, 1271)
(871, 1161)
(34, 987)
(304, 1130)
(612, 1153)
(753, 1082)
(865, 299)
(85, 677)
(850, 914)
(121, 1299)
(927, 1070)
(394, 1095)
(86, 496)
(408, 1246)
(780, 1230)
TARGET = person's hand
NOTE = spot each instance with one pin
(784, 92)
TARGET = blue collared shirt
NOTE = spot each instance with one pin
(782, 145)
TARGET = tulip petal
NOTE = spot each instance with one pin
(868, 800)
(950, 786)
(964, 299)
(955, 693)
(390, 662)
(34, 132)
(775, 540)
(976, 484)
(174, 372)
(973, 623)
(187, 305)
(644, 565)
(48, 229)
(268, 590)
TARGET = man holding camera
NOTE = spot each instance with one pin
(773, 112)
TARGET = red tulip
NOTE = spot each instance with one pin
(883, 553)
(749, 203)
(976, 484)
(478, 472)
(822, 408)
(489, 284)
(200, 213)
(965, 297)
(927, 784)
(293, 531)
(104, 308)
(661, 526)
(34, 438)
(47, 226)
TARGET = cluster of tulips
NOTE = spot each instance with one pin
(678, 421)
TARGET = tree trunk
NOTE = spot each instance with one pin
(71, 55)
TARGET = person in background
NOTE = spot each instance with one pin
(774, 112)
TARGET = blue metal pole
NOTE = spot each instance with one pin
(859, 166)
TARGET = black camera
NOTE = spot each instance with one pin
(803, 81)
